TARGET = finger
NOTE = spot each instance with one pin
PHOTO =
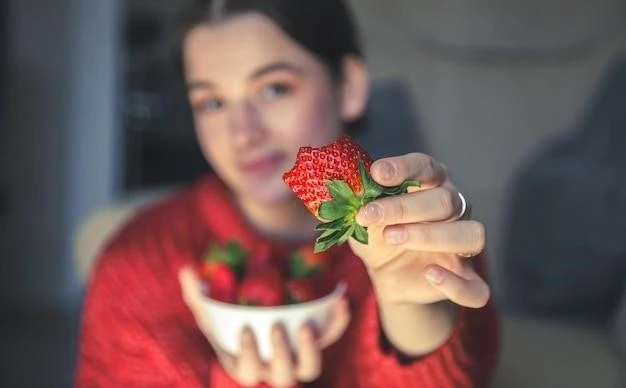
(470, 292)
(248, 368)
(337, 324)
(438, 204)
(281, 368)
(191, 287)
(452, 237)
(228, 362)
(394, 170)
(309, 357)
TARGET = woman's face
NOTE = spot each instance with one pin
(257, 96)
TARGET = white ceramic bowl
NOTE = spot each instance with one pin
(228, 320)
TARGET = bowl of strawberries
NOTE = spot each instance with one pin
(258, 291)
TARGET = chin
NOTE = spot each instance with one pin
(274, 198)
(269, 195)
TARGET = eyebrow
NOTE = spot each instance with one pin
(272, 67)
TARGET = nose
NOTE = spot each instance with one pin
(246, 126)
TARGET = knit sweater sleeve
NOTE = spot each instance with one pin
(465, 360)
(131, 334)
(137, 332)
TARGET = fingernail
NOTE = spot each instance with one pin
(370, 214)
(277, 333)
(434, 275)
(395, 236)
(306, 333)
(247, 337)
(386, 170)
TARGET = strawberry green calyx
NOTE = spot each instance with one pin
(298, 268)
(232, 254)
(340, 212)
(333, 182)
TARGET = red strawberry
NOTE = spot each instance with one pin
(316, 166)
(302, 290)
(222, 281)
(333, 182)
(231, 254)
(262, 289)
(305, 262)
(260, 260)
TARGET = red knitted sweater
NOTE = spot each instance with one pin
(137, 332)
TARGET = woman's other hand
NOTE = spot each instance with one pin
(285, 369)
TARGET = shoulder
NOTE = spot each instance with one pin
(158, 238)
(164, 217)
(178, 215)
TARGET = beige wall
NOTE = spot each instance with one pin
(482, 116)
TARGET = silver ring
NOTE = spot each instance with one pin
(465, 209)
(465, 214)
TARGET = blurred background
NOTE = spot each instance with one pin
(524, 100)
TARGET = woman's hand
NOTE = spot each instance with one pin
(418, 249)
(284, 369)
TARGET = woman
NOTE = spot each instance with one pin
(265, 77)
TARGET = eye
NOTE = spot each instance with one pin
(208, 105)
(275, 90)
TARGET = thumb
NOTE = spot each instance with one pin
(472, 292)
(191, 289)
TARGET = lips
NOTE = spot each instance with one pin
(263, 165)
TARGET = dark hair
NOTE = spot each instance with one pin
(325, 28)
